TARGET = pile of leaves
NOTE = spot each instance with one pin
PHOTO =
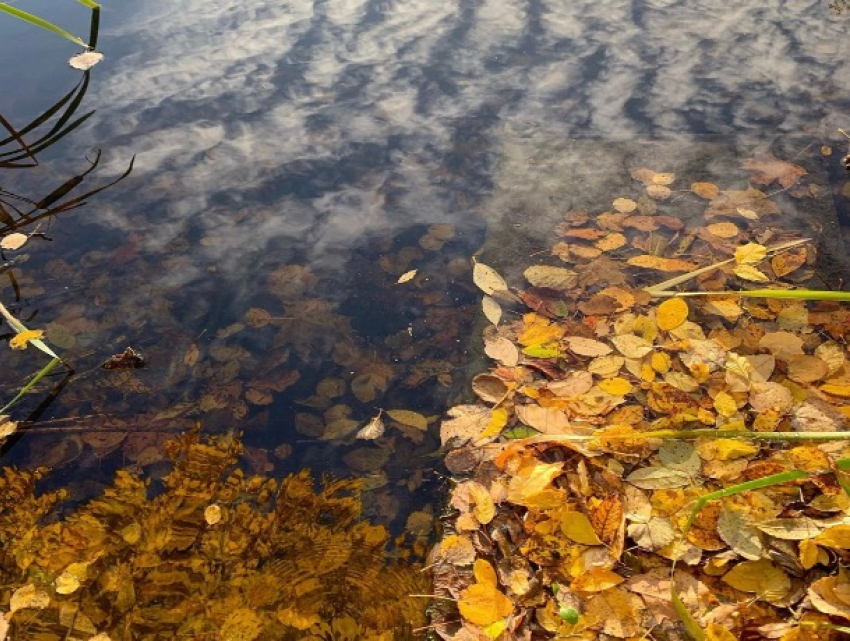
(207, 553)
(648, 467)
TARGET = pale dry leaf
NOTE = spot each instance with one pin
(587, 346)
(212, 514)
(14, 241)
(658, 478)
(375, 428)
(548, 420)
(632, 346)
(739, 534)
(85, 60)
(464, 423)
(552, 277)
(492, 310)
(488, 279)
(502, 350)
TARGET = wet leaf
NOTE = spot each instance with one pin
(212, 514)
(672, 313)
(648, 261)
(750, 254)
(375, 428)
(577, 527)
(14, 241)
(552, 277)
(767, 169)
(762, 577)
(86, 60)
(492, 310)
(596, 580)
(750, 273)
(658, 478)
(723, 230)
(409, 418)
(22, 339)
(488, 279)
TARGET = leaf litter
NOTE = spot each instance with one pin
(670, 468)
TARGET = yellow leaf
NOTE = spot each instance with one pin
(212, 514)
(750, 254)
(484, 508)
(28, 597)
(728, 449)
(808, 554)
(496, 628)
(725, 404)
(750, 273)
(484, 572)
(577, 527)
(21, 340)
(661, 362)
(407, 276)
(617, 386)
(837, 536)
(70, 580)
(762, 577)
(596, 580)
(498, 420)
(672, 313)
(457, 549)
(611, 242)
(532, 481)
(483, 604)
(538, 330)
(716, 632)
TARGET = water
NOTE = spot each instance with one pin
(292, 160)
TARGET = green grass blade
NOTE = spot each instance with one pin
(691, 625)
(794, 294)
(39, 22)
(35, 379)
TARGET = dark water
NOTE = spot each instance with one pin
(294, 157)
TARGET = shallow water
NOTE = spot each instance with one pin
(291, 158)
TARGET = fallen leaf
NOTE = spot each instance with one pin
(552, 277)
(671, 313)
(22, 339)
(761, 577)
(596, 580)
(750, 254)
(767, 169)
(409, 418)
(492, 310)
(407, 276)
(750, 273)
(14, 241)
(375, 428)
(488, 279)
(648, 261)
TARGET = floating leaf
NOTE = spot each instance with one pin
(750, 254)
(587, 346)
(492, 310)
(708, 191)
(86, 60)
(22, 339)
(488, 279)
(212, 514)
(14, 241)
(723, 230)
(750, 273)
